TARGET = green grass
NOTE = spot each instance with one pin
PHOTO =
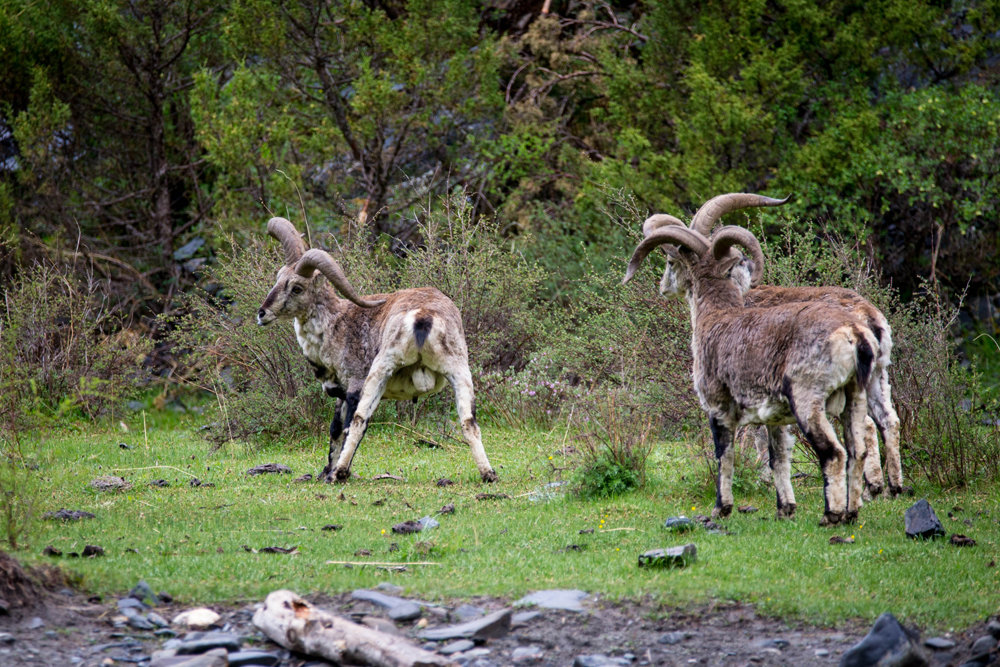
(500, 548)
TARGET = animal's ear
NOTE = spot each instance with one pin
(671, 251)
(728, 263)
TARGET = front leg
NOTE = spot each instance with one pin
(336, 430)
(725, 455)
(356, 420)
(781, 444)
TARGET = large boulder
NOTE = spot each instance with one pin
(887, 644)
(921, 521)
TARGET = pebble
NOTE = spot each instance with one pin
(678, 524)
(36, 623)
(672, 557)
(428, 523)
(380, 624)
(993, 627)
(6, 638)
(672, 638)
(209, 641)
(157, 620)
(523, 617)
(600, 661)
(492, 626)
(391, 589)
(776, 643)
(568, 600)
(821, 653)
(478, 653)
(466, 613)
(242, 658)
(983, 646)
(526, 653)
(131, 603)
(456, 647)
(197, 618)
(939, 643)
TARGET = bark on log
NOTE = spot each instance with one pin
(298, 626)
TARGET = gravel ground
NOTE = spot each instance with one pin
(73, 631)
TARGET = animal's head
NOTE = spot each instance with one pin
(300, 282)
(695, 260)
(676, 280)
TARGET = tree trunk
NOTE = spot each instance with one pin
(298, 626)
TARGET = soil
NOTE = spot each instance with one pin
(78, 632)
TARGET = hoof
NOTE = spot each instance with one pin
(325, 475)
(342, 474)
(874, 490)
(850, 517)
(722, 512)
(786, 512)
(831, 519)
(490, 476)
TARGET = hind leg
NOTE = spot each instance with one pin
(855, 421)
(885, 417)
(465, 402)
(874, 480)
(780, 445)
(810, 413)
(725, 455)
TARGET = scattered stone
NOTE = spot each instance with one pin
(492, 626)
(888, 643)
(456, 647)
(821, 653)
(921, 521)
(162, 483)
(165, 633)
(746, 509)
(143, 592)
(568, 600)
(590, 531)
(600, 661)
(404, 612)
(522, 618)
(207, 660)
(492, 496)
(673, 638)
(407, 527)
(36, 623)
(447, 509)
(157, 620)
(444, 481)
(477, 653)
(939, 643)
(206, 641)
(92, 551)
(380, 624)
(398, 609)
(137, 621)
(701, 518)
(962, 541)
(837, 539)
(4, 607)
(51, 551)
(67, 515)
(391, 589)
(983, 646)
(242, 658)
(303, 478)
(428, 523)
(197, 618)
(993, 627)
(672, 557)
(332, 526)
(266, 468)
(527, 654)
(110, 483)
(466, 613)
(165, 597)
(6, 638)
(678, 524)
(777, 643)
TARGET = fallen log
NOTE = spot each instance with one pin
(298, 626)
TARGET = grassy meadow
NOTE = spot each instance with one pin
(189, 540)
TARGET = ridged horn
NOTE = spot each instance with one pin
(657, 221)
(731, 235)
(288, 236)
(672, 234)
(318, 259)
(716, 207)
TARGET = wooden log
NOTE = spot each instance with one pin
(298, 626)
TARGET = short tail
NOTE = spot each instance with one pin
(422, 328)
(864, 355)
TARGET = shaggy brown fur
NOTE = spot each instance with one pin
(398, 346)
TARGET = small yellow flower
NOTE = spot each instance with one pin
(693, 508)
(550, 458)
(880, 551)
(852, 537)
(383, 531)
(617, 549)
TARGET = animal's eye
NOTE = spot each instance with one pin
(297, 290)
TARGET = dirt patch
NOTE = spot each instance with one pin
(16, 587)
(647, 634)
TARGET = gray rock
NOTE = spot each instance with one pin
(568, 600)
(921, 521)
(139, 622)
(523, 617)
(191, 661)
(983, 646)
(143, 592)
(406, 611)
(380, 599)
(600, 661)
(380, 624)
(391, 589)
(993, 627)
(466, 613)
(887, 643)
(241, 658)
(456, 647)
(67, 515)
(821, 653)
(678, 524)
(672, 638)
(427, 522)
(131, 603)
(188, 250)
(166, 632)
(266, 468)
(36, 623)
(157, 620)
(974, 663)
(492, 626)
(526, 654)
(939, 643)
(477, 653)
(206, 641)
(777, 643)
(672, 557)
(6, 638)
(481, 662)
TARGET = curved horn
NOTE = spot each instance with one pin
(654, 222)
(716, 207)
(731, 235)
(288, 236)
(318, 259)
(672, 234)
